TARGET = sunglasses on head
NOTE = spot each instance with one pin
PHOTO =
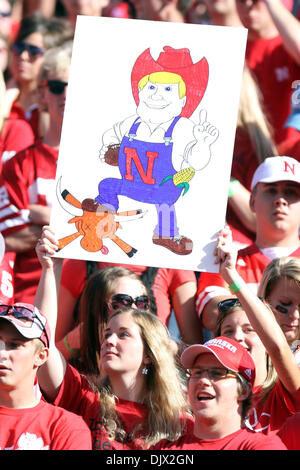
(123, 300)
(227, 304)
(24, 314)
(56, 87)
(33, 51)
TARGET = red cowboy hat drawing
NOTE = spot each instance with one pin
(179, 61)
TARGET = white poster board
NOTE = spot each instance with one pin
(109, 57)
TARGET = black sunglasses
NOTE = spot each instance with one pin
(123, 300)
(33, 51)
(227, 304)
(56, 87)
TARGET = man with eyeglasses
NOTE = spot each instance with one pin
(221, 374)
(28, 188)
(26, 421)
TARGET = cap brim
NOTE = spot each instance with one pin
(27, 333)
(189, 356)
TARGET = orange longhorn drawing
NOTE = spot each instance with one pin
(96, 223)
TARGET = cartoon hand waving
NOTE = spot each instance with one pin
(197, 153)
(205, 132)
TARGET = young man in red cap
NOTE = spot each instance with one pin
(26, 421)
(160, 140)
(221, 376)
(275, 201)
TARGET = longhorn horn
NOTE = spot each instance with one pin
(66, 200)
(127, 216)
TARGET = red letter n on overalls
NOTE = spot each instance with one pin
(131, 154)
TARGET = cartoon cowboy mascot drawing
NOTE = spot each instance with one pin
(160, 148)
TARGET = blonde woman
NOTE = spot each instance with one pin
(280, 287)
(254, 325)
(139, 397)
(107, 290)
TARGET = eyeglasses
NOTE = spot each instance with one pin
(33, 51)
(214, 373)
(123, 300)
(25, 317)
(56, 87)
(227, 304)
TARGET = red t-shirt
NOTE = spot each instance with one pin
(275, 71)
(165, 283)
(44, 427)
(269, 415)
(7, 279)
(243, 439)
(16, 135)
(289, 432)
(31, 116)
(77, 396)
(251, 263)
(291, 147)
(29, 179)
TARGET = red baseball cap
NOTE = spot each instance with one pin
(229, 353)
(28, 320)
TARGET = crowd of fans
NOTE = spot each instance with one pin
(89, 358)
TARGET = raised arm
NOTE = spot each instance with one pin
(260, 316)
(183, 301)
(288, 27)
(51, 374)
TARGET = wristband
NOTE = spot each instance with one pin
(232, 185)
(72, 351)
(236, 286)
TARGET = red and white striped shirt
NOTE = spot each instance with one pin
(27, 178)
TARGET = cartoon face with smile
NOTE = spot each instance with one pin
(161, 97)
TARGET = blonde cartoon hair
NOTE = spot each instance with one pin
(163, 392)
(164, 77)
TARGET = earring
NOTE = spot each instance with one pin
(145, 371)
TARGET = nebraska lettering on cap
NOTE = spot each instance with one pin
(277, 169)
(227, 351)
(222, 344)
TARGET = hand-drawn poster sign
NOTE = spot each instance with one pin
(147, 141)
